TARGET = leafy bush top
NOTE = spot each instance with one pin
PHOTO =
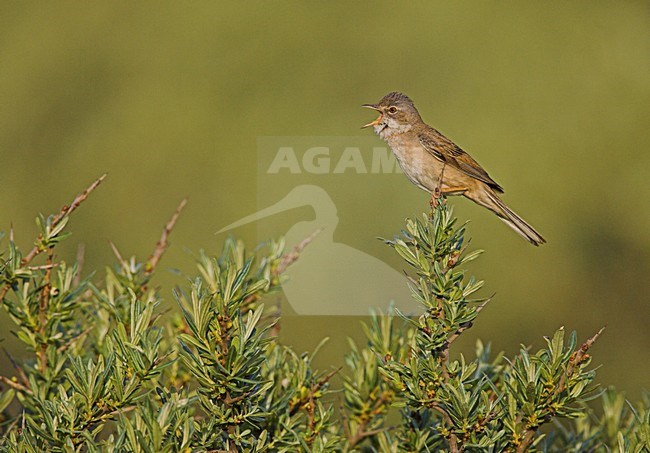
(109, 371)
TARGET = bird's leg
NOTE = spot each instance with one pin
(454, 190)
(435, 197)
(437, 191)
(436, 194)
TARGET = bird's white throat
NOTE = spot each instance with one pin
(389, 127)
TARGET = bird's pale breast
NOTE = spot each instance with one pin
(420, 166)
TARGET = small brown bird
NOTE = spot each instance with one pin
(435, 164)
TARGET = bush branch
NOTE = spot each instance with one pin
(291, 257)
(163, 242)
(578, 356)
(66, 210)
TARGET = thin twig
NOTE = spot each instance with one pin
(117, 254)
(229, 401)
(444, 358)
(578, 356)
(18, 368)
(162, 243)
(361, 432)
(11, 427)
(73, 340)
(346, 424)
(277, 320)
(528, 439)
(66, 210)
(285, 261)
(43, 267)
(464, 327)
(81, 259)
(43, 307)
(444, 352)
(311, 410)
(314, 388)
(291, 257)
(576, 359)
(325, 379)
(15, 385)
(453, 441)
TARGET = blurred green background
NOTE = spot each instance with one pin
(552, 98)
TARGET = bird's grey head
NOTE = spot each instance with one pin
(397, 114)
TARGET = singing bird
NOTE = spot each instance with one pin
(436, 164)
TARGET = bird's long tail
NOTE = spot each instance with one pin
(492, 201)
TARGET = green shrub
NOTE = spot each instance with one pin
(110, 371)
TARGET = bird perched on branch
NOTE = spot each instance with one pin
(436, 164)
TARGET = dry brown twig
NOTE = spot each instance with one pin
(361, 433)
(314, 388)
(444, 359)
(81, 258)
(163, 242)
(15, 385)
(291, 257)
(43, 310)
(117, 254)
(18, 368)
(453, 440)
(578, 356)
(285, 261)
(65, 210)
(463, 328)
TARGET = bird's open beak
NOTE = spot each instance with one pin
(377, 121)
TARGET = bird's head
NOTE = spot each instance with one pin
(396, 114)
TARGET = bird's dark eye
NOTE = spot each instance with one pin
(392, 110)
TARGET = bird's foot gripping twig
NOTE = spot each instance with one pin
(438, 194)
(436, 198)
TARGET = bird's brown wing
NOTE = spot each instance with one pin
(447, 151)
